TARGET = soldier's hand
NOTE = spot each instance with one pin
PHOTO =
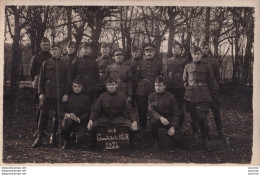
(164, 121)
(65, 98)
(134, 126)
(41, 97)
(171, 131)
(90, 123)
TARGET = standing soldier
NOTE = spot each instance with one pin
(175, 67)
(163, 110)
(86, 69)
(54, 84)
(215, 104)
(121, 72)
(36, 63)
(199, 80)
(103, 61)
(137, 56)
(72, 54)
(147, 70)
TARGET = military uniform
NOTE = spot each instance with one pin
(54, 82)
(112, 108)
(146, 72)
(215, 104)
(199, 80)
(165, 105)
(87, 69)
(78, 104)
(175, 67)
(122, 73)
(103, 62)
(68, 58)
(35, 66)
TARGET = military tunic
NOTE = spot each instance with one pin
(123, 75)
(112, 108)
(163, 105)
(199, 80)
(35, 66)
(103, 62)
(78, 104)
(68, 58)
(87, 69)
(146, 72)
(215, 104)
(54, 82)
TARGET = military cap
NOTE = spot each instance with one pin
(87, 44)
(160, 79)
(134, 48)
(105, 45)
(118, 49)
(71, 44)
(177, 43)
(148, 45)
(111, 80)
(45, 40)
(55, 44)
(78, 80)
(195, 49)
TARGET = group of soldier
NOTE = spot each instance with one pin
(86, 93)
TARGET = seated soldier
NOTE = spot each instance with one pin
(111, 108)
(163, 110)
(76, 112)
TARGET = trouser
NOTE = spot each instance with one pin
(36, 102)
(49, 105)
(117, 121)
(179, 96)
(69, 126)
(214, 105)
(198, 112)
(142, 106)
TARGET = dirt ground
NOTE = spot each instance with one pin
(236, 111)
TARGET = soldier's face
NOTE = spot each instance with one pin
(71, 49)
(197, 56)
(55, 52)
(119, 56)
(176, 50)
(86, 51)
(205, 51)
(45, 46)
(159, 87)
(111, 87)
(149, 52)
(105, 51)
(136, 54)
(77, 88)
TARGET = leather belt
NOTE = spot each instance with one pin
(198, 84)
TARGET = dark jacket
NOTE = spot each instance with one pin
(199, 80)
(78, 104)
(112, 106)
(68, 58)
(55, 78)
(174, 71)
(146, 72)
(163, 105)
(87, 69)
(213, 62)
(123, 74)
(36, 63)
(103, 62)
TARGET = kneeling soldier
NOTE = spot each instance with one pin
(199, 80)
(112, 108)
(76, 112)
(163, 110)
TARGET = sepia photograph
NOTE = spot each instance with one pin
(138, 84)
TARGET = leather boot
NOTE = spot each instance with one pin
(37, 143)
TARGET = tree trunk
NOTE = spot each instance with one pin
(207, 24)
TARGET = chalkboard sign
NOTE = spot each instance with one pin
(112, 138)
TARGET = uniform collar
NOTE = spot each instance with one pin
(113, 94)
